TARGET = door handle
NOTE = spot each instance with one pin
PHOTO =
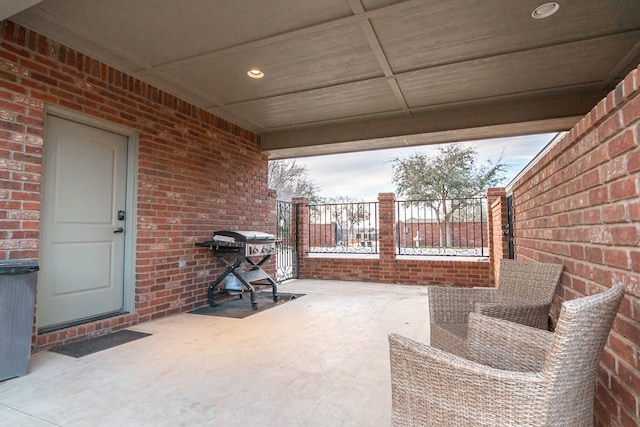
(119, 230)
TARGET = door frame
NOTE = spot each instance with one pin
(130, 224)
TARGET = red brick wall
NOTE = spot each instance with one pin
(496, 223)
(197, 172)
(580, 206)
(336, 268)
(443, 272)
(407, 271)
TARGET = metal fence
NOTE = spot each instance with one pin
(455, 227)
(287, 237)
(442, 227)
(343, 228)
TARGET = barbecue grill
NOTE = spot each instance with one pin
(235, 248)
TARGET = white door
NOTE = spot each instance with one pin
(82, 225)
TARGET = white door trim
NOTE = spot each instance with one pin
(132, 192)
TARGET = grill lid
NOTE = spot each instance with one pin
(242, 236)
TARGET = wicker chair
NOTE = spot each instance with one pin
(515, 375)
(524, 293)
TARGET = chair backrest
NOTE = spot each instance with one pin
(528, 280)
(571, 364)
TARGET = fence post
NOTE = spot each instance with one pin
(300, 217)
(496, 222)
(387, 236)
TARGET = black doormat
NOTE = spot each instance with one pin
(93, 345)
(239, 308)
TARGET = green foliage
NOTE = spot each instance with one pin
(446, 182)
(452, 174)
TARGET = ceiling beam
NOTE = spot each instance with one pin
(443, 137)
(495, 118)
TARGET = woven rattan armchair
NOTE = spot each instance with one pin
(515, 375)
(524, 293)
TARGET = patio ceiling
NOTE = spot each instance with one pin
(353, 75)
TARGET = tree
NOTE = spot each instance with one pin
(445, 182)
(291, 180)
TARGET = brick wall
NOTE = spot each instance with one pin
(407, 271)
(580, 206)
(451, 272)
(496, 224)
(197, 172)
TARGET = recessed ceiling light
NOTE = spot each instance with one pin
(545, 10)
(255, 73)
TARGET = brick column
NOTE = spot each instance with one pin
(387, 236)
(496, 225)
(300, 217)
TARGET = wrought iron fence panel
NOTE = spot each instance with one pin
(287, 237)
(453, 227)
(344, 228)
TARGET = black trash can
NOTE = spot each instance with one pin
(18, 279)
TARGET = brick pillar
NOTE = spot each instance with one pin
(300, 217)
(387, 236)
(496, 224)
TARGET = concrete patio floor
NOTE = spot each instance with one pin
(319, 360)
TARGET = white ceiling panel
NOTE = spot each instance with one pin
(574, 64)
(440, 32)
(156, 30)
(316, 60)
(337, 102)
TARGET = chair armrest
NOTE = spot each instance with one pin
(505, 345)
(531, 314)
(433, 387)
(453, 305)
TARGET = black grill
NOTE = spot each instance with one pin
(235, 248)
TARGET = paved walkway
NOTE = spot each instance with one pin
(319, 360)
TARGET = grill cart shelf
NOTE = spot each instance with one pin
(234, 248)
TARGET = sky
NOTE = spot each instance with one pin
(363, 175)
